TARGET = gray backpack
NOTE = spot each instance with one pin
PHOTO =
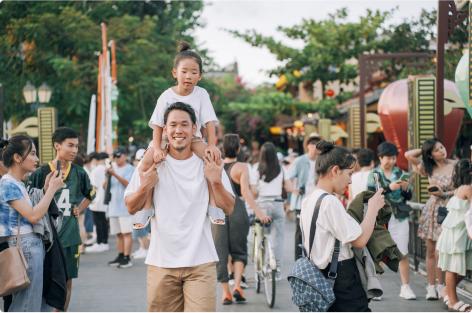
(311, 290)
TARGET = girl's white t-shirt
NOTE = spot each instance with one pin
(199, 100)
(333, 222)
(181, 230)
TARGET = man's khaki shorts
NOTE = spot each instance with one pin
(182, 289)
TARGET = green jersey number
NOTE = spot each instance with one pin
(64, 203)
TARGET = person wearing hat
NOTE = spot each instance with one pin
(121, 222)
(303, 175)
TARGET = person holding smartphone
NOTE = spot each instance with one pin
(431, 161)
(397, 188)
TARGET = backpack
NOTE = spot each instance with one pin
(311, 290)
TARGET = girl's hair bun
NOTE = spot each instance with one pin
(3, 143)
(324, 146)
(183, 46)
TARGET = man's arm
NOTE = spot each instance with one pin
(136, 201)
(223, 199)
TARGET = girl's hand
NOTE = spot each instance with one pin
(214, 153)
(54, 182)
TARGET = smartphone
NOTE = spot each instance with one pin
(433, 189)
(58, 168)
(377, 181)
(405, 176)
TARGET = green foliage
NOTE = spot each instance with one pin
(56, 42)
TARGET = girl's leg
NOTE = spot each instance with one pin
(405, 271)
(451, 283)
(148, 159)
(198, 147)
(431, 264)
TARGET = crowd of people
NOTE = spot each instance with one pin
(189, 205)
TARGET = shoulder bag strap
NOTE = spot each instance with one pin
(316, 212)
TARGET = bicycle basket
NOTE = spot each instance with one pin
(311, 290)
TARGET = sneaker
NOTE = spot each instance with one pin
(431, 293)
(406, 293)
(227, 300)
(377, 298)
(91, 241)
(440, 290)
(140, 254)
(244, 284)
(116, 261)
(125, 262)
(95, 248)
(238, 296)
(104, 247)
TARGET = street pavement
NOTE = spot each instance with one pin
(103, 288)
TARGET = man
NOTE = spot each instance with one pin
(71, 200)
(121, 222)
(182, 256)
(304, 176)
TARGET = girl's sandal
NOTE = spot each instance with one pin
(460, 307)
(446, 301)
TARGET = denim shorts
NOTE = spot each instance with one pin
(29, 299)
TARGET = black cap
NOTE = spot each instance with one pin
(119, 152)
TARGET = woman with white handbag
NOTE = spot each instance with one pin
(21, 262)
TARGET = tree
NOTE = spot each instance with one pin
(56, 42)
(328, 46)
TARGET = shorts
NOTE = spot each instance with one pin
(121, 225)
(72, 257)
(400, 232)
(140, 233)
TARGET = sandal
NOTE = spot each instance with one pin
(460, 307)
(446, 300)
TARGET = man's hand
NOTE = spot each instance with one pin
(214, 153)
(149, 178)
(212, 170)
(75, 212)
(111, 171)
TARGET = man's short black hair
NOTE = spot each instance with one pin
(102, 156)
(63, 133)
(364, 156)
(182, 107)
(387, 149)
(313, 140)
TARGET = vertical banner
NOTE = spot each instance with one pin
(91, 125)
(421, 119)
(354, 126)
(47, 124)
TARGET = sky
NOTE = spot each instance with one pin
(265, 16)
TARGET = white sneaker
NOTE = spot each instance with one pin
(406, 293)
(91, 241)
(431, 293)
(377, 298)
(104, 247)
(140, 254)
(95, 248)
(440, 290)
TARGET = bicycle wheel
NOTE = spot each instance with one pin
(269, 279)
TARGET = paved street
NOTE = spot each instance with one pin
(101, 288)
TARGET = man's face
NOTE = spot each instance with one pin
(388, 162)
(120, 160)
(67, 150)
(312, 151)
(179, 130)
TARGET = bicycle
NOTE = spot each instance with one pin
(264, 262)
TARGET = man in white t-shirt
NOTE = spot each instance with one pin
(182, 256)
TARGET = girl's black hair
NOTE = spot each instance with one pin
(230, 145)
(269, 166)
(462, 173)
(184, 52)
(19, 144)
(427, 155)
(331, 155)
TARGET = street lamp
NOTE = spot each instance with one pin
(36, 96)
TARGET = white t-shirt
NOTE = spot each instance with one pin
(310, 183)
(180, 231)
(199, 100)
(97, 178)
(359, 182)
(333, 222)
(267, 189)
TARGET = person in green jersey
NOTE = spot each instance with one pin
(71, 200)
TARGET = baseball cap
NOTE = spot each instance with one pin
(119, 152)
(139, 154)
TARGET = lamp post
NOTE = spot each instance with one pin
(38, 96)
